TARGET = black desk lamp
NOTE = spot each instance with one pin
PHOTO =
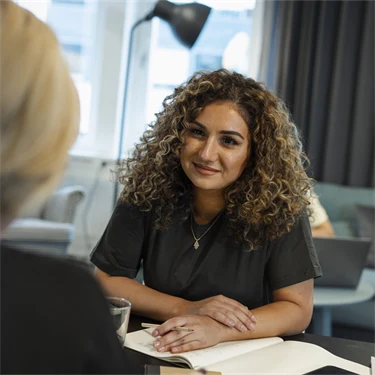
(186, 21)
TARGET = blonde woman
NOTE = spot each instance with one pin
(54, 318)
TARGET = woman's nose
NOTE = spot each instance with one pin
(208, 151)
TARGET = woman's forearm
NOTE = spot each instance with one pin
(145, 301)
(281, 318)
(323, 230)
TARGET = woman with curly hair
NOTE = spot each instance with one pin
(214, 205)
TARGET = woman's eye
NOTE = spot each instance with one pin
(195, 131)
(229, 141)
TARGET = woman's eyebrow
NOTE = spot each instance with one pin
(199, 124)
(226, 132)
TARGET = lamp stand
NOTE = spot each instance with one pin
(123, 112)
(186, 21)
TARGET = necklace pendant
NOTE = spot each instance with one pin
(196, 245)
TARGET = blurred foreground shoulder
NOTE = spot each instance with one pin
(68, 323)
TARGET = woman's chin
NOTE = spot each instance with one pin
(207, 185)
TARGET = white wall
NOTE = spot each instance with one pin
(115, 19)
(95, 210)
(107, 70)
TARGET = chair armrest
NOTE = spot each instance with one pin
(39, 231)
(61, 206)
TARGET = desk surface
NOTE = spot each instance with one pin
(356, 351)
(324, 296)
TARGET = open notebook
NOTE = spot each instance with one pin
(267, 355)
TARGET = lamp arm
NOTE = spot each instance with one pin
(123, 110)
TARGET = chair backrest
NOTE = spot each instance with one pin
(61, 206)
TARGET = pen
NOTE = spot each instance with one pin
(184, 329)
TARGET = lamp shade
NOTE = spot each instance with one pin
(186, 20)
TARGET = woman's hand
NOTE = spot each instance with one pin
(224, 310)
(206, 332)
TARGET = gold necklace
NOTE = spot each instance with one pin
(196, 243)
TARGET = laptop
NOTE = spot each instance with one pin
(342, 260)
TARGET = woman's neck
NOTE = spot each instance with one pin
(207, 204)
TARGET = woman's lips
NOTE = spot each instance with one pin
(207, 171)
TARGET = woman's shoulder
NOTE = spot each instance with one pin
(47, 273)
(300, 231)
(130, 210)
(146, 210)
(25, 261)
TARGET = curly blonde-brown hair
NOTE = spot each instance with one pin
(272, 192)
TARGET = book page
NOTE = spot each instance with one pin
(142, 342)
(289, 357)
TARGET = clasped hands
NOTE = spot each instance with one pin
(210, 319)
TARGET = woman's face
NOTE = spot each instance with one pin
(216, 147)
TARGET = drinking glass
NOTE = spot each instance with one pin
(120, 308)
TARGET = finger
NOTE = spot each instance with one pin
(235, 307)
(225, 317)
(181, 341)
(169, 325)
(219, 302)
(235, 314)
(162, 343)
(252, 317)
(242, 312)
(233, 318)
(245, 320)
(235, 321)
(233, 303)
(192, 345)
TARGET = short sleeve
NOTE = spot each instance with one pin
(293, 257)
(119, 251)
(318, 213)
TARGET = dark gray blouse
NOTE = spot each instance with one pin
(218, 266)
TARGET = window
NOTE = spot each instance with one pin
(73, 22)
(94, 35)
(169, 63)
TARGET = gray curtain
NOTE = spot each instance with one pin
(319, 57)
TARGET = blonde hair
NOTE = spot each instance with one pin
(39, 109)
